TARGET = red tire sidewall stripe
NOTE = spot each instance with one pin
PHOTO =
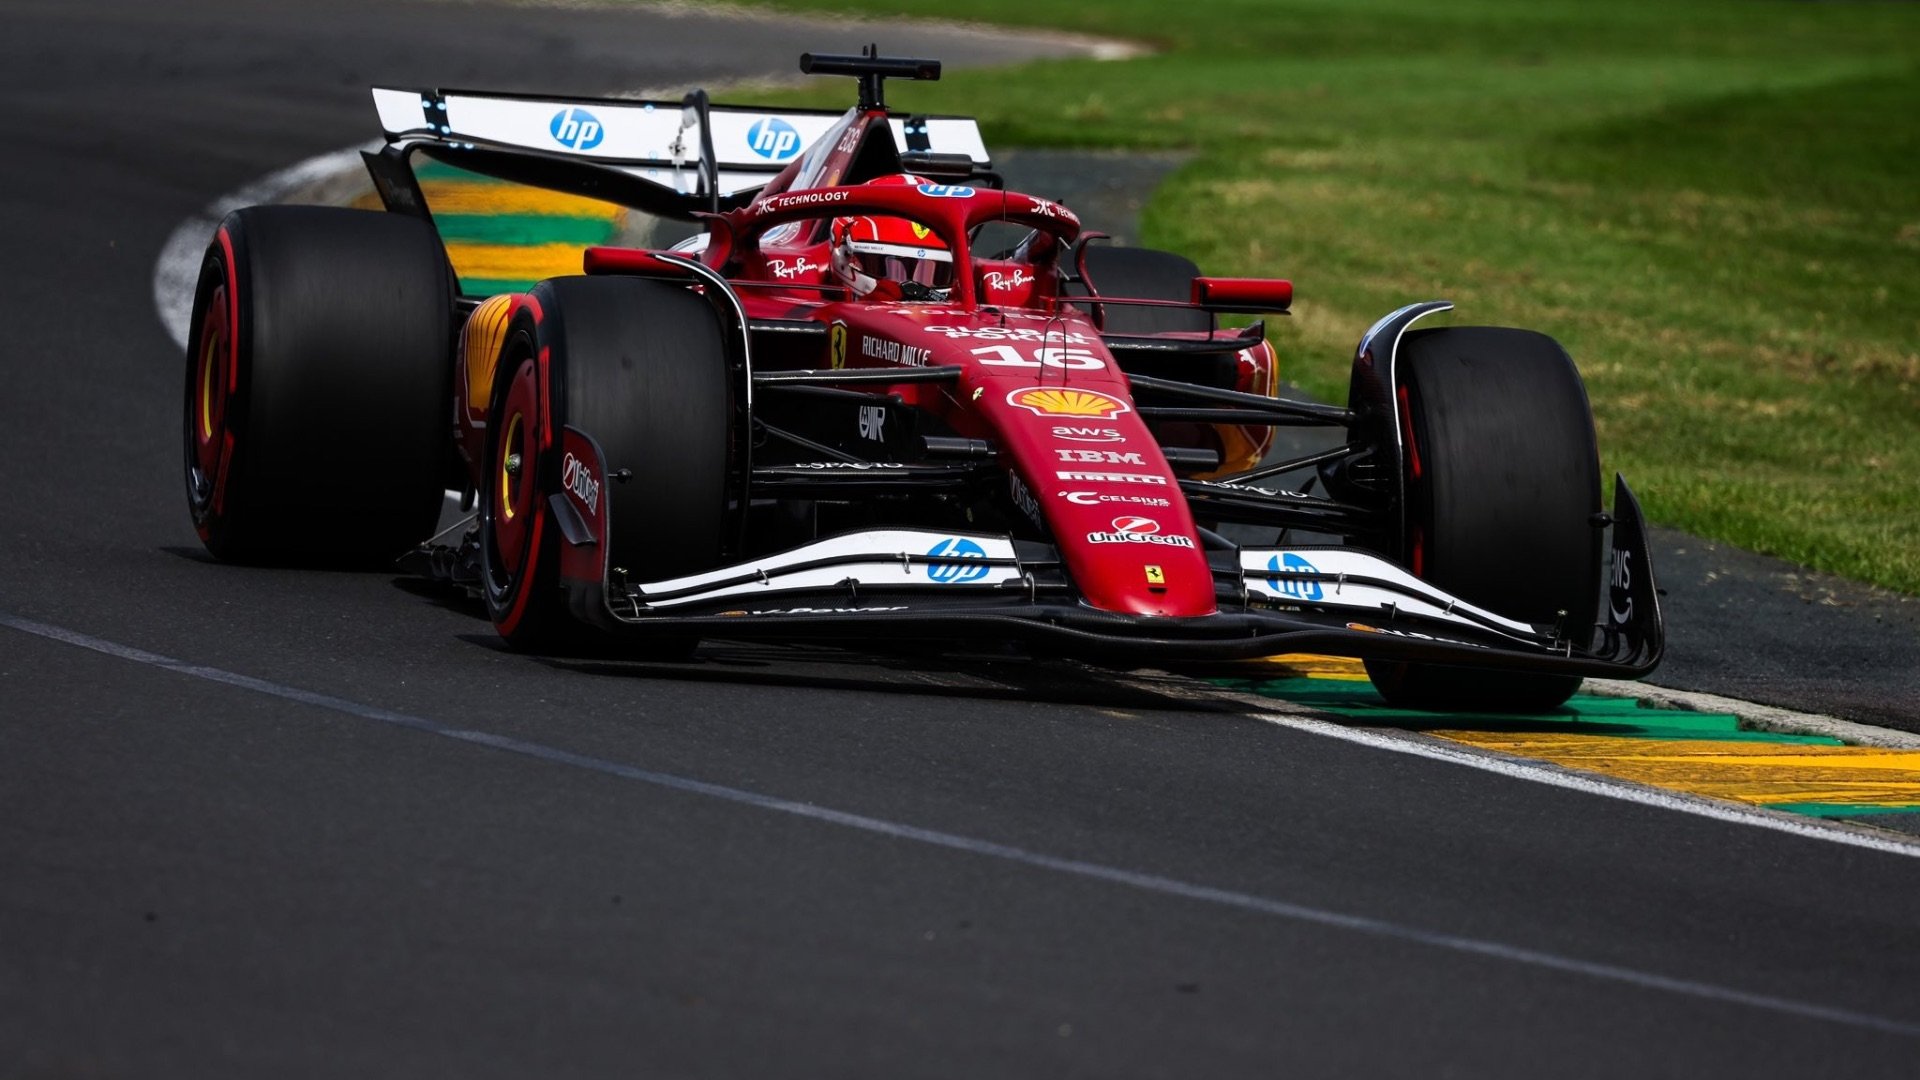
(233, 312)
(217, 503)
(523, 584)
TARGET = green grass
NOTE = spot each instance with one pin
(1714, 204)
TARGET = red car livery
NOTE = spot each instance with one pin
(880, 396)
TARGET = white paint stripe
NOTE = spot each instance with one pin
(178, 269)
(1152, 883)
(1554, 776)
(1760, 717)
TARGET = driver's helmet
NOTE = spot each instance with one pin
(870, 250)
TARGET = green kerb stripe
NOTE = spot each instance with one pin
(425, 169)
(524, 229)
(1583, 715)
(1841, 810)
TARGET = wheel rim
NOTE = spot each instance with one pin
(209, 440)
(514, 489)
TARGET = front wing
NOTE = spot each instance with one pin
(901, 583)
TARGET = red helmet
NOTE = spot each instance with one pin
(868, 250)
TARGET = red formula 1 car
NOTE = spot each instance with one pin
(880, 396)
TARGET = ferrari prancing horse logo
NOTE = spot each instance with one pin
(837, 346)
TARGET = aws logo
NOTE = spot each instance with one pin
(773, 139)
(576, 129)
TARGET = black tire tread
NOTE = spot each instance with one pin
(640, 367)
(1510, 487)
(345, 340)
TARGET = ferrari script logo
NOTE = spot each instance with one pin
(837, 346)
(1054, 401)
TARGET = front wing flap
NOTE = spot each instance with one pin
(897, 583)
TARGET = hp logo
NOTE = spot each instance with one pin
(773, 139)
(576, 129)
(953, 573)
(1295, 587)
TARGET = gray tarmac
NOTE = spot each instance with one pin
(318, 840)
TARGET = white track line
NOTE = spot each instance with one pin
(1540, 772)
(1152, 883)
(177, 271)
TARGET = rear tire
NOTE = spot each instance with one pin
(317, 386)
(1502, 483)
(641, 367)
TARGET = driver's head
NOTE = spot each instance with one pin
(869, 250)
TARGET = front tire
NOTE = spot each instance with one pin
(1502, 482)
(640, 367)
(317, 384)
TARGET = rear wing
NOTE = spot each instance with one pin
(665, 157)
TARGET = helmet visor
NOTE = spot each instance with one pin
(930, 266)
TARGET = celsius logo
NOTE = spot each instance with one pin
(773, 139)
(1296, 587)
(576, 129)
(951, 573)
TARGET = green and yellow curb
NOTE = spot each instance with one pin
(504, 237)
(1699, 753)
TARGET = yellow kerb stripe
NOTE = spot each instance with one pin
(1320, 667)
(460, 197)
(513, 262)
(1754, 772)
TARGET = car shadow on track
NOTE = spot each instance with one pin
(952, 674)
(939, 670)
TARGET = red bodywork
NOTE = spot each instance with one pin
(1036, 378)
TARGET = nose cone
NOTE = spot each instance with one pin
(1139, 565)
(1106, 494)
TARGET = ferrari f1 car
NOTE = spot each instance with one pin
(880, 396)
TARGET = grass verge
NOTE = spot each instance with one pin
(1715, 205)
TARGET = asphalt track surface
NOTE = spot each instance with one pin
(272, 822)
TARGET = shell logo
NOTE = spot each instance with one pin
(1055, 401)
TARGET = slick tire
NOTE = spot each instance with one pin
(1145, 274)
(1502, 480)
(317, 386)
(641, 367)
